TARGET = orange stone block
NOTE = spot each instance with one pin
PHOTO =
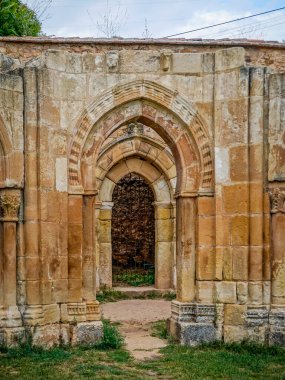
(206, 206)
(223, 230)
(206, 231)
(240, 230)
(227, 263)
(239, 163)
(75, 209)
(206, 264)
(240, 263)
(235, 199)
(74, 239)
(256, 197)
(256, 230)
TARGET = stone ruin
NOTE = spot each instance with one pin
(202, 122)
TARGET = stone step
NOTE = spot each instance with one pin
(143, 291)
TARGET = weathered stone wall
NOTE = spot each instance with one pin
(216, 153)
(257, 53)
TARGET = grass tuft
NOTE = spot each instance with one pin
(135, 279)
(110, 295)
(159, 329)
(112, 339)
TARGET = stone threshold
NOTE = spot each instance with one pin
(142, 291)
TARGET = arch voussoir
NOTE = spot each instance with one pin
(162, 109)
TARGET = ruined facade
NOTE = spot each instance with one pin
(203, 123)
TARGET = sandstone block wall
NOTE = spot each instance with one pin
(202, 124)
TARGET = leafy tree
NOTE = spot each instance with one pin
(17, 19)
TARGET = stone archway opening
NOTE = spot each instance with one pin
(133, 232)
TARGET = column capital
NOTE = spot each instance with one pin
(163, 204)
(277, 200)
(10, 201)
(187, 194)
(107, 205)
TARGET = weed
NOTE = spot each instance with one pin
(169, 296)
(110, 295)
(159, 329)
(153, 295)
(135, 279)
(111, 337)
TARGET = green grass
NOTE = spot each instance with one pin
(112, 295)
(159, 329)
(135, 279)
(215, 361)
(111, 337)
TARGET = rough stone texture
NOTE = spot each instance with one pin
(86, 333)
(202, 122)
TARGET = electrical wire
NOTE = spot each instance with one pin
(241, 28)
(226, 22)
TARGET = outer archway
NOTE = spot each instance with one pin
(183, 130)
(164, 110)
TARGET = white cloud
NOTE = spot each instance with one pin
(166, 17)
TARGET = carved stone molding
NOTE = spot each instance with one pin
(9, 205)
(191, 312)
(76, 308)
(277, 198)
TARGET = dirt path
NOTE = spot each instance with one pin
(135, 318)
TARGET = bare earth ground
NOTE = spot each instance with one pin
(135, 318)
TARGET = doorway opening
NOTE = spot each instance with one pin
(133, 232)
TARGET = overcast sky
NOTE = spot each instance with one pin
(79, 18)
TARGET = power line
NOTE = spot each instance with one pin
(241, 28)
(226, 22)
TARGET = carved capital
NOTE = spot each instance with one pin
(277, 198)
(9, 206)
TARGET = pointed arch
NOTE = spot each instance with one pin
(165, 110)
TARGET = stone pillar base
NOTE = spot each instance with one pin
(51, 325)
(48, 336)
(86, 333)
(277, 325)
(256, 323)
(12, 337)
(192, 324)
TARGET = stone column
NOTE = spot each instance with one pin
(185, 248)
(277, 312)
(9, 208)
(89, 260)
(256, 180)
(88, 248)
(105, 254)
(278, 246)
(9, 204)
(75, 240)
(164, 239)
(34, 312)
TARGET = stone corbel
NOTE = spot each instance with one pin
(112, 60)
(10, 201)
(165, 61)
(277, 198)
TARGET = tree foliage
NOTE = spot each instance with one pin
(17, 19)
